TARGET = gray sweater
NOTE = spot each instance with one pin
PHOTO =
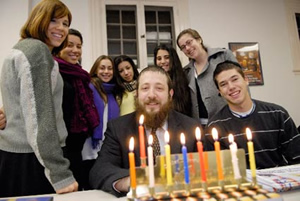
(208, 89)
(32, 88)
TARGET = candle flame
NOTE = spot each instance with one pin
(198, 133)
(150, 140)
(215, 134)
(230, 138)
(167, 137)
(182, 139)
(141, 121)
(131, 144)
(249, 134)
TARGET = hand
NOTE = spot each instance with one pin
(2, 119)
(123, 184)
(71, 188)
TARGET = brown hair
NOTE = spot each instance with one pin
(95, 80)
(39, 19)
(158, 70)
(193, 33)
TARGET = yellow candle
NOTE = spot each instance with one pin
(251, 152)
(218, 154)
(162, 166)
(168, 159)
(132, 164)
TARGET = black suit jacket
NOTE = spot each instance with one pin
(112, 163)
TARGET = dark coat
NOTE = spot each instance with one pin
(112, 163)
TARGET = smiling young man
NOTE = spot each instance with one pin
(275, 136)
(154, 97)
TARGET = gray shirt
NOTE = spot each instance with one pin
(32, 88)
(209, 92)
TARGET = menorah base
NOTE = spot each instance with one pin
(230, 194)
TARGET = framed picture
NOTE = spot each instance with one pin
(248, 56)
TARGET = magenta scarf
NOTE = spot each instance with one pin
(86, 116)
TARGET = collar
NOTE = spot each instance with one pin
(244, 114)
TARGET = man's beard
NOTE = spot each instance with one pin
(154, 119)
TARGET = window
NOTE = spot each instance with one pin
(298, 23)
(293, 22)
(135, 27)
(121, 31)
(159, 29)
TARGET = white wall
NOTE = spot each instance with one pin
(12, 17)
(262, 21)
(218, 22)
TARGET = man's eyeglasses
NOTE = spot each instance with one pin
(187, 43)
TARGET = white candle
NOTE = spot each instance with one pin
(234, 159)
(150, 162)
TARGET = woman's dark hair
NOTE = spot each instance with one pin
(181, 97)
(76, 33)
(120, 89)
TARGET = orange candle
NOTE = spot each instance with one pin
(218, 154)
(132, 164)
(200, 152)
(191, 163)
(142, 142)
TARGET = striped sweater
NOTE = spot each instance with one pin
(32, 88)
(275, 136)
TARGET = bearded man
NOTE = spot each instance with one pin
(154, 100)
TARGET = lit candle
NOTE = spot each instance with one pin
(142, 142)
(200, 152)
(251, 153)
(132, 164)
(218, 154)
(151, 162)
(234, 159)
(168, 159)
(185, 159)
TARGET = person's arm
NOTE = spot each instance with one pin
(290, 140)
(109, 166)
(2, 119)
(40, 103)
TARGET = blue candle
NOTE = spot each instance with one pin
(185, 159)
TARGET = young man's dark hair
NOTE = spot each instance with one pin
(227, 65)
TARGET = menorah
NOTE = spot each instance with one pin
(210, 187)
